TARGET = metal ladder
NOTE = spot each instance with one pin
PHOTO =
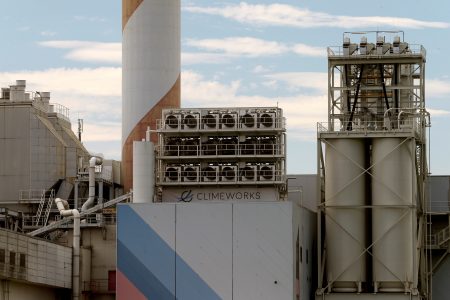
(50, 201)
(40, 208)
(442, 237)
(47, 203)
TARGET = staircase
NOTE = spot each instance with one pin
(45, 205)
(440, 239)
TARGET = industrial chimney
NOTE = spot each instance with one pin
(150, 70)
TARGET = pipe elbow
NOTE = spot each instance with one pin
(95, 160)
(75, 213)
(89, 202)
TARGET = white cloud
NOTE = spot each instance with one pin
(307, 50)
(240, 46)
(297, 80)
(271, 84)
(438, 112)
(437, 88)
(96, 52)
(234, 47)
(302, 111)
(287, 15)
(221, 51)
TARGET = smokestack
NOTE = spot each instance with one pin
(150, 70)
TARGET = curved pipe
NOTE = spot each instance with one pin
(420, 111)
(92, 163)
(64, 210)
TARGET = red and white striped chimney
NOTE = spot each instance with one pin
(150, 70)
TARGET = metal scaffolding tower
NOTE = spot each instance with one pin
(372, 167)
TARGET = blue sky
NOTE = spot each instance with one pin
(248, 53)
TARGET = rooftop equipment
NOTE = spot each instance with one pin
(232, 146)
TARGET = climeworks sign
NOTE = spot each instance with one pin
(220, 194)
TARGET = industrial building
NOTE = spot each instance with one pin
(201, 205)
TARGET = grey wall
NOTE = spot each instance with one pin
(14, 151)
(441, 281)
(439, 187)
(36, 150)
(44, 262)
(307, 183)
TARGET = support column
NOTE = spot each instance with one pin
(75, 196)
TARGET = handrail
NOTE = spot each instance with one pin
(439, 238)
(91, 210)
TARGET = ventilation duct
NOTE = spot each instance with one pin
(210, 173)
(248, 120)
(266, 120)
(172, 174)
(229, 173)
(210, 121)
(248, 173)
(191, 121)
(266, 172)
(190, 173)
(173, 121)
(228, 121)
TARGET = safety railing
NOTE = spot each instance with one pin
(411, 125)
(440, 239)
(31, 195)
(94, 219)
(267, 148)
(100, 173)
(413, 49)
(61, 110)
(223, 175)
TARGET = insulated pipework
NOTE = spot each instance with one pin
(64, 210)
(94, 161)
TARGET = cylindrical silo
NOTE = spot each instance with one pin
(150, 70)
(345, 217)
(393, 218)
(143, 172)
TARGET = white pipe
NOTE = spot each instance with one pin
(64, 210)
(92, 163)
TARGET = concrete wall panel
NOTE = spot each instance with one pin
(204, 243)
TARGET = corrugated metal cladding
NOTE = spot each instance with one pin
(215, 250)
(34, 260)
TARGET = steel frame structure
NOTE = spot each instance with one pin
(373, 96)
